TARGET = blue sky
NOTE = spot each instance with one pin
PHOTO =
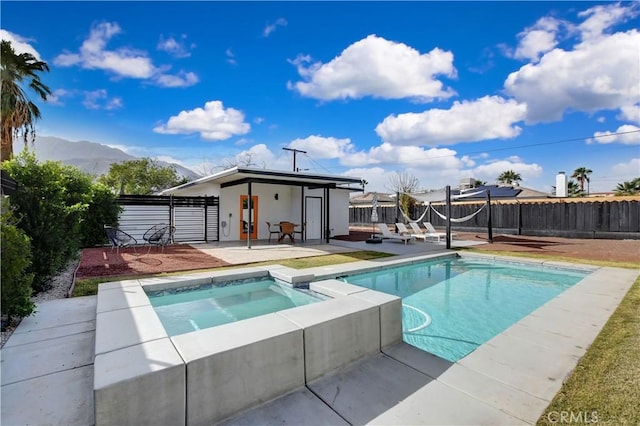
(439, 90)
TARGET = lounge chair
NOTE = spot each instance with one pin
(416, 228)
(432, 231)
(386, 234)
(402, 230)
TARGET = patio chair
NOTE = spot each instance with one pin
(300, 230)
(386, 234)
(432, 231)
(118, 238)
(159, 235)
(286, 230)
(273, 229)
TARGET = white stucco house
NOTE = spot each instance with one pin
(318, 204)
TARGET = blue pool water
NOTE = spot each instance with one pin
(450, 307)
(185, 310)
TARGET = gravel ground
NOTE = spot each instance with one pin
(60, 286)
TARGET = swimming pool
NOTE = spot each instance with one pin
(193, 308)
(452, 306)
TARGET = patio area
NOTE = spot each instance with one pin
(105, 262)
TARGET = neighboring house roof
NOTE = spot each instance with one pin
(505, 191)
(367, 199)
(500, 192)
(242, 175)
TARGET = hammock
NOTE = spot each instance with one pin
(436, 196)
(460, 219)
(411, 220)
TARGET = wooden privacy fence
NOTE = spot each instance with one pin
(575, 219)
(195, 218)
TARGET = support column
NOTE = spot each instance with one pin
(448, 217)
(489, 224)
(249, 222)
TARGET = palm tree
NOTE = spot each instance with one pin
(629, 187)
(581, 174)
(18, 112)
(573, 189)
(509, 177)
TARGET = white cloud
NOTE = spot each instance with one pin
(537, 40)
(270, 28)
(182, 79)
(231, 57)
(56, 97)
(123, 62)
(409, 156)
(262, 156)
(213, 122)
(630, 113)
(490, 117)
(323, 147)
(170, 159)
(176, 48)
(379, 68)
(599, 73)
(489, 172)
(629, 170)
(627, 134)
(602, 17)
(20, 44)
(99, 99)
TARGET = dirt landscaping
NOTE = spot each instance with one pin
(104, 262)
(587, 249)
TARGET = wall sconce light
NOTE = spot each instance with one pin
(276, 196)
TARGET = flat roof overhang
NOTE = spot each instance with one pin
(239, 176)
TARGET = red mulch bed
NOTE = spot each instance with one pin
(591, 249)
(104, 262)
(588, 249)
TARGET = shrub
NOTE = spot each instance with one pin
(16, 258)
(50, 200)
(102, 209)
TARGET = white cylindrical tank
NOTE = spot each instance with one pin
(561, 185)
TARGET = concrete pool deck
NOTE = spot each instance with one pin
(47, 369)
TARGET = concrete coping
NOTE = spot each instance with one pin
(335, 288)
(317, 313)
(530, 261)
(209, 341)
(134, 361)
(127, 327)
(363, 266)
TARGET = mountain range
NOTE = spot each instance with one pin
(90, 157)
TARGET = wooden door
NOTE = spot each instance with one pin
(247, 212)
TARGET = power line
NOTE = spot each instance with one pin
(315, 162)
(544, 143)
(523, 146)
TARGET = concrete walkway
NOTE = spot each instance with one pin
(47, 365)
(47, 369)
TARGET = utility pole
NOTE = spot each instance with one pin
(295, 151)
